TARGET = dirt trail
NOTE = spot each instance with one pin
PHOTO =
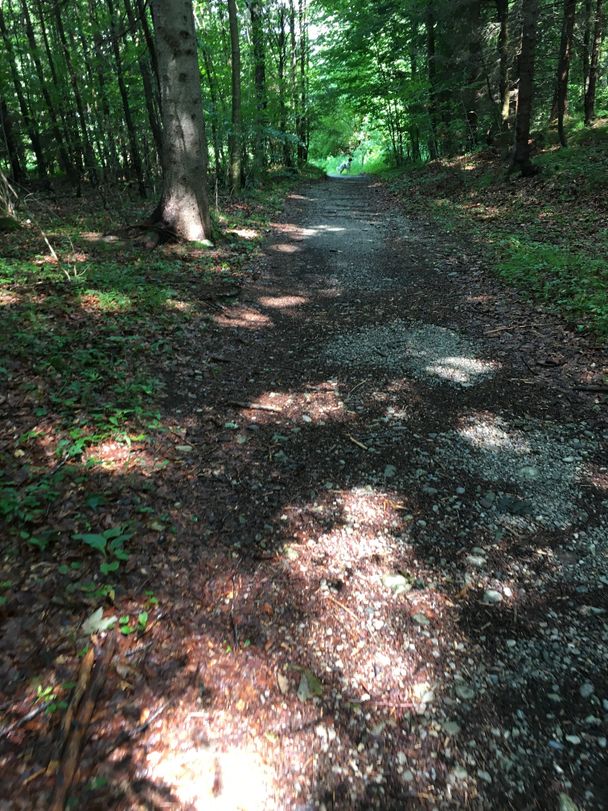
(394, 595)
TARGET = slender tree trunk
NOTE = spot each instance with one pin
(521, 150)
(69, 131)
(473, 71)
(149, 37)
(235, 73)
(82, 115)
(217, 146)
(122, 87)
(184, 205)
(146, 79)
(502, 7)
(18, 173)
(295, 97)
(287, 157)
(429, 25)
(303, 123)
(563, 68)
(28, 119)
(598, 24)
(64, 160)
(259, 76)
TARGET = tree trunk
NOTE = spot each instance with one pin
(18, 173)
(259, 76)
(303, 123)
(28, 120)
(122, 87)
(521, 150)
(594, 63)
(287, 157)
(64, 160)
(184, 207)
(235, 72)
(82, 115)
(146, 78)
(471, 90)
(502, 7)
(563, 68)
(429, 24)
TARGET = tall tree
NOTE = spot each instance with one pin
(563, 67)
(235, 78)
(521, 151)
(184, 206)
(594, 57)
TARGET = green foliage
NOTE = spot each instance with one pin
(572, 282)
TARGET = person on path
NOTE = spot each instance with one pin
(345, 166)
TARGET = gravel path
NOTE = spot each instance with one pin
(396, 593)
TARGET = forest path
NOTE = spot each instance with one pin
(395, 593)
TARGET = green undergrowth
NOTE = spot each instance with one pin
(85, 344)
(546, 234)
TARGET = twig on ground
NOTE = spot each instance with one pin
(253, 406)
(4, 731)
(73, 745)
(343, 607)
(356, 442)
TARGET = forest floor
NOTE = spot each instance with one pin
(347, 530)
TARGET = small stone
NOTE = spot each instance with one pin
(408, 776)
(587, 690)
(306, 418)
(476, 560)
(390, 471)
(451, 728)
(401, 758)
(183, 448)
(421, 619)
(485, 776)
(573, 739)
(602, 743)
(529, 473)
(511, 643)
(460, 491)
(566, 804)
(459, 773)
(464, 692)
(491, 597)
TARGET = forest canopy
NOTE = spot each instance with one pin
(388, 81)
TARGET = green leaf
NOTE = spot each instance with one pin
(142, 620)
(112, 566)
(96, 541)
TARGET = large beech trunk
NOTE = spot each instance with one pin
(184, 206)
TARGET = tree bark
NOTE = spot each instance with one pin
(563, 68)
(429, 25)
(502, 7)
(184, 207)
(122, 87)
(598, 26)
(12, 150)
(28, 120)
(259, 77)
(235, 73)
(521, 151)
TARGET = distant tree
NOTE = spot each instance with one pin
(563, 68)
(184, 207)
(235, 74)
(596, 28)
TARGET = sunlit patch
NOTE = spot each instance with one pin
(202, 779)
(533, 472)
(180, 306)
(283, 301)
(244, 233)
(109, 302)
(284, 247)
(246, 319)
(7, 298)
(459, 370)
(430, 352)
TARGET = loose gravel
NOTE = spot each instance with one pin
(434, 354)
